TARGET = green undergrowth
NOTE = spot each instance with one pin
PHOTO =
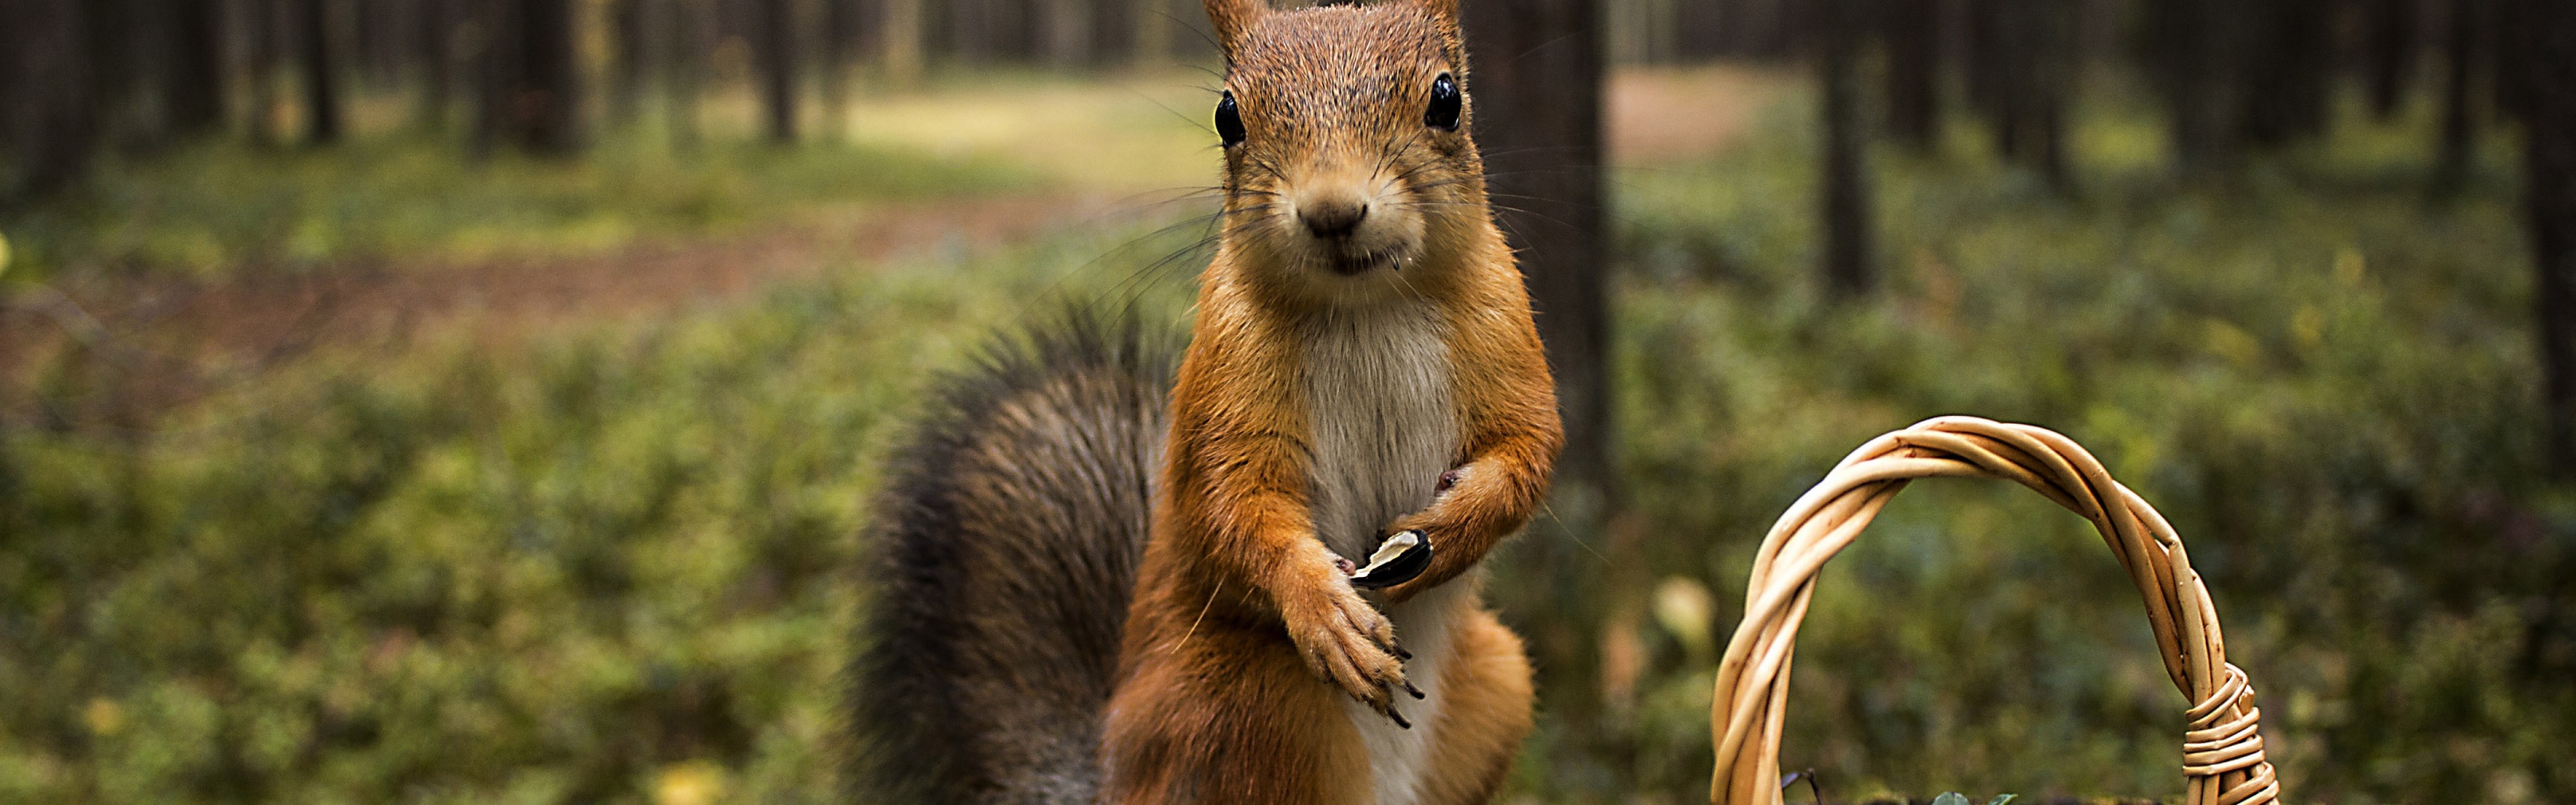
(611, 566)
(224, 208)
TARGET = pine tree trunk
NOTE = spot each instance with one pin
(1846, 209)
(2389, 53)
(2191, 44)
(2049, 75)
(51, 121)
(264, 36)
(687, 30)
(321, 81)
(1112, 31)
(1535, 98)
(1913, 71)
(435, 65)
(778, 68)
(1154, 24)
(2285, 73)
(2547, 29)
(530, 85)
(631, 22)
(192, 80)
(1997, 66)
(1536, 84)
(840, 37)
(2460, 58)
(907, 28)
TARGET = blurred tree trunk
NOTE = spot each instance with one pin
(688, 25)
(51, 123)
(2389, 51)
(2189, 49)
(902, 40)
(496, 66)
(1769, 31)
(263, 36)
(2051, 26)
(1535, 90)
(965, 28)
(550, 89)
(840, 39)
(2547, 56)
(1912, 33)
(2461, 56)
(1698, 30)
(363, 46)
(1064, 32)
(435, 58)
(777, 53)
(1154, 24)
(2021, 66)
(1993, 83)
(1113, 29)
(1846, 250)
(321, 82)
(529, 81)
(631, 74)
(2508, 28)
(192, 75)
(118, 45)
(2286, 74)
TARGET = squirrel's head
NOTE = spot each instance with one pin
(1349, 170)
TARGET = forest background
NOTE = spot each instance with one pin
(480, 400)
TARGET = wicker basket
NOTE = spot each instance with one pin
(2222, 747)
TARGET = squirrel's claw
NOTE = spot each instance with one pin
(1349, 644)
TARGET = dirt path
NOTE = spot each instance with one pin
(1672, 114)
(147, 344)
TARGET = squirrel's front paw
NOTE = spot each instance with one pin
(1349, 643)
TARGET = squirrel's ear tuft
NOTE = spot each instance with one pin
(1233, 19)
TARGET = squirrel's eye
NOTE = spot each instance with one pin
(1229, 123)
(1445, 104)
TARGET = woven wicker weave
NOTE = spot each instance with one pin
(2222, 747)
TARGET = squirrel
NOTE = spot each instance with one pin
(1101, 577)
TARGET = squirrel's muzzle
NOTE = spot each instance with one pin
(1332, 218)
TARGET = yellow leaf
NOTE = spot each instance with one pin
(1685, 608)
(104, 716)
(695, 782)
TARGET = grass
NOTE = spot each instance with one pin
(227, 208)
(609, 566)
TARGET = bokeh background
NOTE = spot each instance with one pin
(480, 400)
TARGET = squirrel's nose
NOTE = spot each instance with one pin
(1333, 219)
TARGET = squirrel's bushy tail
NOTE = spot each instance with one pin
(1004, 552)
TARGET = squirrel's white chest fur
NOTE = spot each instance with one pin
(1379, 409)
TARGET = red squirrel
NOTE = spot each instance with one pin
(1363, 384)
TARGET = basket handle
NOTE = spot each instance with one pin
(2222, 749)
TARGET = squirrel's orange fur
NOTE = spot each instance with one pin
(1331, 380)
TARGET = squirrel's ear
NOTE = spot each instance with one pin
(1443, 10)
(1233, 19)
